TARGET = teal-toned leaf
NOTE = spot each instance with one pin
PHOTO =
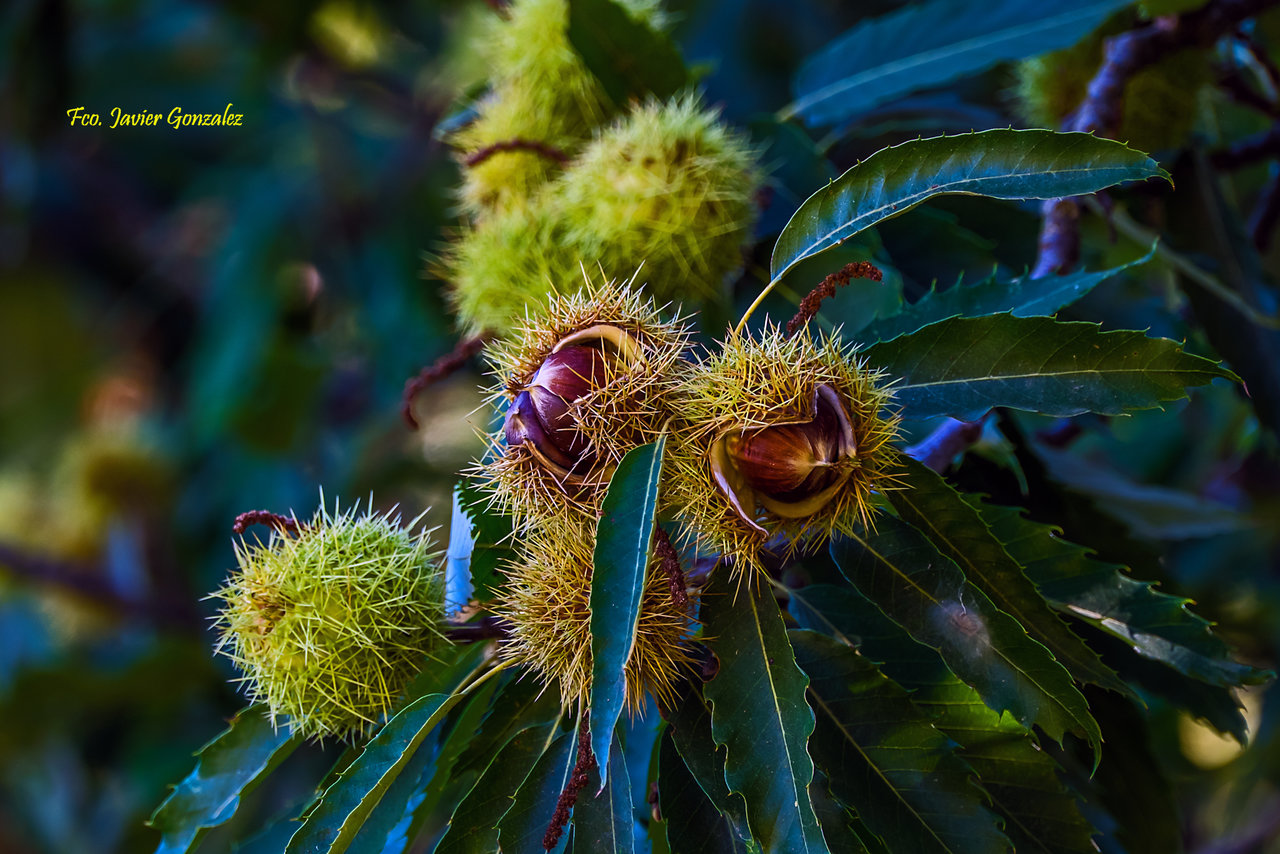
(884, 756)
(1154, 624)
(964, 366)
(474, 826)
(957, 530)
(347, 804)
(623, 537)
(927, 44)
(759, 714)
(602, 823)
(1041, 816)
(630, 58)
(1006, 164)
(694, 824)
(690, 729)
(524, 826)
(521, 703)
(227, 768)
(899, 570)
(1021, 297)
(1150, 511)
(491, 538)
(836, 819)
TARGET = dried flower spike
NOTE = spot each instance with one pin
(329, 625)
(588, 379)
(779, 436)
(546, 606)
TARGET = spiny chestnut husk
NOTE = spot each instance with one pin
(588, 379)
(779, 436)
(546, 603)
(329, 625)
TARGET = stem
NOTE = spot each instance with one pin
(737, 330)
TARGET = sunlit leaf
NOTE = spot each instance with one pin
(1006, 164)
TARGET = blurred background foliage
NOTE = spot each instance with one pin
(201, 321)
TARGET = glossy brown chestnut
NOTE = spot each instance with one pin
(541, 415)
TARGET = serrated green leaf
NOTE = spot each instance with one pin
(884, 756)
(1006, 164)
(628, 57)
(227, 768)
(522, 703)
(964, 366)
(1040, 814)
(925, 45)
(347, 804)
(759, 714)
(1021, 297)
(602, 823)
(690, 728)
(923, 591)
(524, 826)
(491, 538)
(837, 821)
(623, 538)
(1156, 625)
(958, 531)
(694, 824)
(474, 826)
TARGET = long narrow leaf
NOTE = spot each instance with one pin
(1006, 164)
(602, 822)
(927, 44)
(623, 538)
(964, 366)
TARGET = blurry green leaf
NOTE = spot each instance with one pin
(1154, 624)
(957, 530)
(899, 570)
(963, 367)
(602, 823)
(694, 824)
(525, 824)
(623, 538)
(1022, 297)
(759, 714)
(333, 824)
(883, 756)
(927, 44)
(1151, 511)
(491, 538)
(227, 768)
(1040, 814)
(1006, 164)
(630, 58)
(474, 826)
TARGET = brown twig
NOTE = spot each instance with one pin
(547, 150)
(669, 560)
(283, 524)
(827, 288)
(1251, 149)
(1103, 107)
(577, 782)
(441, 368)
